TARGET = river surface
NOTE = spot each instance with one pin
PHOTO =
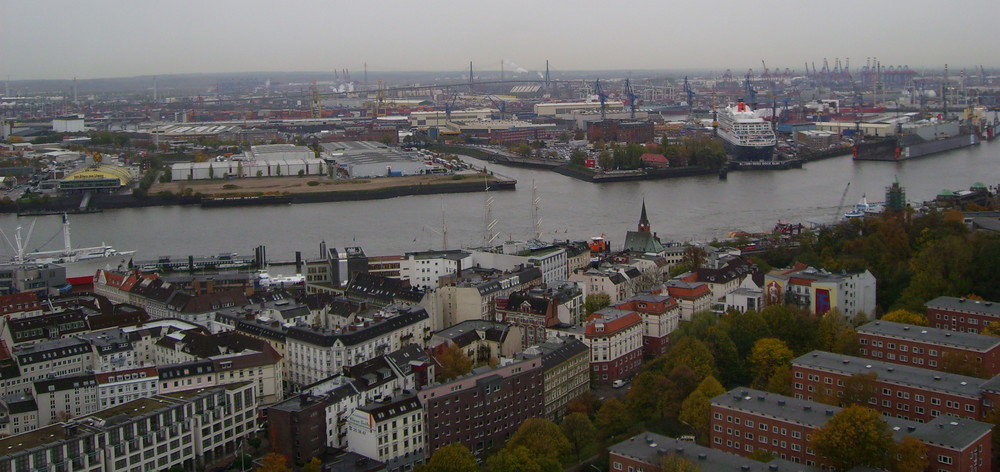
(684, 209)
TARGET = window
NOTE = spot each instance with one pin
(618, 466)
(943, 459)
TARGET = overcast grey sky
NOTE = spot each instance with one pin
(60, 39)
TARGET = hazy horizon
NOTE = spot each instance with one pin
(101, 39)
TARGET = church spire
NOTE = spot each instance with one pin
(643, 220)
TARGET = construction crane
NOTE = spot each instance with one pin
(751, 92)
(630, 94)
(449, 106)
(316, 102)
(603, 97)
(840, 206)
(500, 105)
(690, 95)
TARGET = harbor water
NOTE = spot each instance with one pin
(683, 209)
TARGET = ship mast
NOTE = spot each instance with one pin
(536, 218)
(66, 242)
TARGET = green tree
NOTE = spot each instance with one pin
(745, 329)
(694, 354)
(314, 465)
(792, 326)
(578, 157)
(677, 463)
(855, 436)
(761, 455)
(696, 410)
(612, 418)
(859, 389)
(911, 456)
(835, 334)
(728, 363)
(582, 435)
(961, 364)
(595, 302)
(454, 362)
(273, 462)
(694, 257)
(780, 381)
(454, 457)
(605, 160)
(514, 459)
(906, 317)
(542, 438)
(767, 355)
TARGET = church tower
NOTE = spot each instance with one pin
(643, 220)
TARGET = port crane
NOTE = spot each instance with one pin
(751, 92)
(500, 105)
(690, 94)
(603, 97)
(630, 94)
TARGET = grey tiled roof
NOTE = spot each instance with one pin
(943, 337)
(894, 373)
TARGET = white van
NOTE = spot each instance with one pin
(618, 383)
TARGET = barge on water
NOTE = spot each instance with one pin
(921, 139)
(229, 261)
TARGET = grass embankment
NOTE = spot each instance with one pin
(304, 185)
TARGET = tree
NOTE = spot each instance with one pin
(859, 389)
(911, 456)
(302, 172)
(273, 462)
(905, 317)
(792, 326)
(960, 364)
(595, 302)
(454, 457)
(694, 257)
(612, 418)
(314, 465)
(696, 411)
(761, 455)
(677, 463)
(694, 354)
(514, 459)
(767, 355)
(836, 335)
(542, 438)
(855, 436)
(780, 381)
(582, 435)
(454, 362)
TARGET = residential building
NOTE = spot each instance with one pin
(566, 366)
(116, 388)
(390, 431)
(22, 413)
(692, 297)
(483, 409)
(471, 294)
(645, 452)
(931, 348)
(483, 341)
(901, 390)
(660, 316)
(820, 291)
(424, 269)
(62, 398)
(614, 280)
(747, 296)
(43, 279)
(533, 310)
(961, 314)
(550, 258)
(744, 420)
(614, 338)
(50, 359)
(315, 354)
(20, 305)
(193, 429)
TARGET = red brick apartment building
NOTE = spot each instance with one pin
(902, 391)
(961, 314)
(660, 317)
(744, 420)
(483, 409)
(644, 452)
(925, 347)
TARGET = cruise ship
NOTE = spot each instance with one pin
(747, 137)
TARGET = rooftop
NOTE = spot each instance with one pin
(964, 304)
(938, 336)
(650, 448)
(893, 373)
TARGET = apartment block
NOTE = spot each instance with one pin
(660, 316)
(483, 409)
(902, 391)
(745, 420)
(961, 314)
(645, 452)
(932, 348)
(390, 431)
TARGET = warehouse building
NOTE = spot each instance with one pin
(369, 159)
(272, 160)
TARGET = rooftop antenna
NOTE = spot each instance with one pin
(501, 69)
(154, 89)
(366, 75)
(75, 101)
(470, 76)
(536, 217)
